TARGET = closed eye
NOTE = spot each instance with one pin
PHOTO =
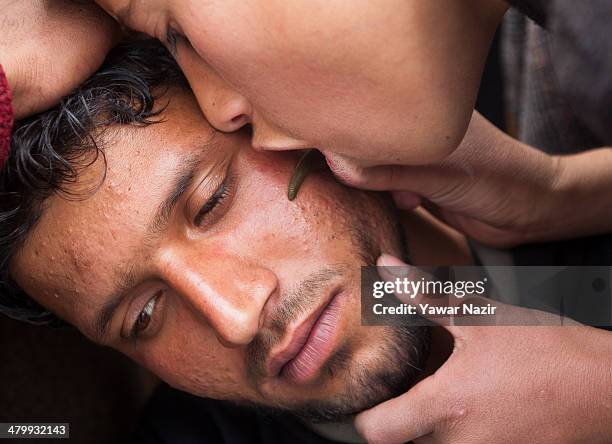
(212, 203)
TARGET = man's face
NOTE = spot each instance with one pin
(366, 82)
(190, 259)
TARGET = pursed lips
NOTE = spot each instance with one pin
(298, 335)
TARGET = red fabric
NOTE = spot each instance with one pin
(6, 118)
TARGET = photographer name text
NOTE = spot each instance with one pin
(434, 310)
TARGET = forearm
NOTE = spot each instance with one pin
(49, 48)
(532, 195)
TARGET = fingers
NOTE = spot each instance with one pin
(391, 269)
(426, 180)
(406, 200)
(407, 417)
(483, 232)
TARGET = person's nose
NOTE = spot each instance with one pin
(224, 107)
(228, 110)
(227, 292)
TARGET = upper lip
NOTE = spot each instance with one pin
(299, 334)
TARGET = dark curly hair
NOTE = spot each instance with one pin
(49, 149)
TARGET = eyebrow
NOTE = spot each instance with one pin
(183, 178)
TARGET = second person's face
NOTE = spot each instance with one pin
(366, 82)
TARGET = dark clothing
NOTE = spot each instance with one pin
(544, 114)
(580, 47)
(534, 9)
(174, 417)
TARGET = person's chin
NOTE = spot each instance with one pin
(351, 381)
(339, 369)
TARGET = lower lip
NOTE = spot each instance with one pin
(317, 349)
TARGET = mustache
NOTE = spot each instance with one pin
(297, 301)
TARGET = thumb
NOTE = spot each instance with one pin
(391, 268)
(406, 200)
(407, 417)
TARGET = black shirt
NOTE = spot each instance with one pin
(581, 52)
(559, 94)
(174, 417)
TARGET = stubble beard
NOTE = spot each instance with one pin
(400, 356)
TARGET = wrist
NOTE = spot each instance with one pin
(580, 194)
(553, 217)
(541, 187)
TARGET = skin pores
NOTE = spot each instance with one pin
(220, 292)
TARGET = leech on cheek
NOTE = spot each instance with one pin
(302, 169)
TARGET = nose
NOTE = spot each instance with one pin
(224, 107)
(227, 292)
(228, 112)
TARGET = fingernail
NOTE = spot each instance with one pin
(393, 265)
(406, 200)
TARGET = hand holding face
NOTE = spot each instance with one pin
(49, 47)
(506, 384)
(498, 190)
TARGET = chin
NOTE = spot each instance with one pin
(355, 381)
